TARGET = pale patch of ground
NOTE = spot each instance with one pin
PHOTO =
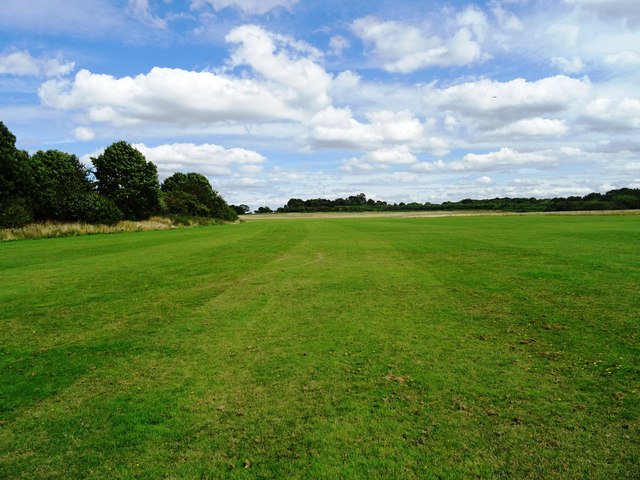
(475, 213)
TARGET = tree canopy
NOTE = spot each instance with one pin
(125, 177)
(241, 209)
(619, 199)
(192, 194)
(54, 185)
(61, 178)
(17, 183)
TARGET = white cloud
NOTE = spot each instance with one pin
(506, 19)
(503, 159)
(383, 130)
(474, 19)
(84, 134)
(165, 95)
(626, 10)
(535, 127)
(140, 8)
(484, 180)
(287, 85)
(285, 61)
(206, 158)
(564, 32)
(24, 64)
(626, 58)
(336, 127)
(493, 104)
(380, 159)
(338, 44)
(396, 155)
(568, 65)
(396, 126)
(404, 48)
(258, 7)
(613, 114)
(356, 165)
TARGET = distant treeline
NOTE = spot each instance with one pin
(620, 199)
(123, 185)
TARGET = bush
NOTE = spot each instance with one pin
(15, 212)
(93, 208)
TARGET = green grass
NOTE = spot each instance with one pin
(485, 347)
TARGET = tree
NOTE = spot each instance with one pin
(65, 191)
(264, 210)
(192, 194)
(125, 177)
(241, 209)
(17, 184)
(60, 178)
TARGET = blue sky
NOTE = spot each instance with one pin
(273, 99)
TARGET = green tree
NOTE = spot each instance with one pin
(65, 191)
(17, 184)
(91, 207)
(125, 177)
(241, 209)
(60, 178)
(192, 194)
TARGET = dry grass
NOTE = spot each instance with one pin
(56, 229)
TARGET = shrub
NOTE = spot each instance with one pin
(15, 212)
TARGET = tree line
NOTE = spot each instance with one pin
(620, 199)
(123, 185)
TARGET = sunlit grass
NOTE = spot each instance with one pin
(489, 347)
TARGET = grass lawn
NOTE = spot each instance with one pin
(444, 348)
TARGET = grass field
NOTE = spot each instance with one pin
(444, 348)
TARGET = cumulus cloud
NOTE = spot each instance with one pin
(404, 48)
(24, 64)
(285, 61)
(207, 159)
(492, 104)
(503, 159)
(337, 128)
(613, 114)
(535, 127)
(165, 95)
(396, 155)
(287, 85)
(380, 159)
(258, 7)
(396, 126)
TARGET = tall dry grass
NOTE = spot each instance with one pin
(55, 229)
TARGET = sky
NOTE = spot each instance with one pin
(402, 100)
